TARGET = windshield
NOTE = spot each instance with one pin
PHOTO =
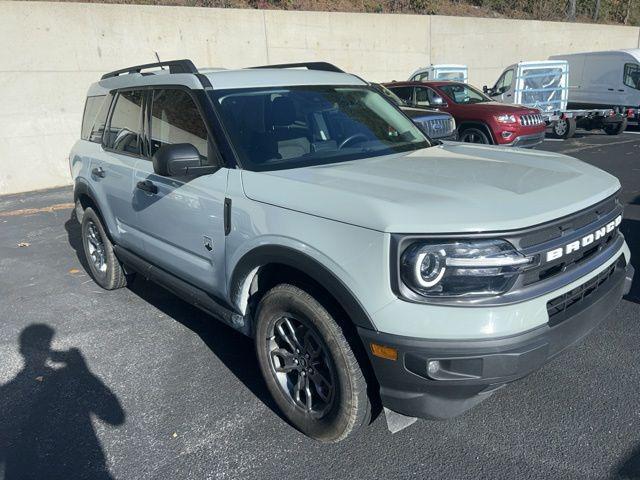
(463, 94)
(289, 127)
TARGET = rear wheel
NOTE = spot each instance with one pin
(564, 128)
(104, 267)
(308, 365)
(616, 129)
(475, 135)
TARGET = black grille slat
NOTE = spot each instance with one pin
(559, 305)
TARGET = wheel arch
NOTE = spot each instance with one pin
(476, 124)
(85, 197)
(267, 265)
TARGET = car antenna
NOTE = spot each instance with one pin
(158, 57)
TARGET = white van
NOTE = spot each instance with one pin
(605, 79)
(456, 73)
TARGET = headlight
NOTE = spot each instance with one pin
(506, 118)
(454, 269)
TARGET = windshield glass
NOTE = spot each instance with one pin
(289, 127)
(463, 94)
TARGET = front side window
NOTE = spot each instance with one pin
(463, 94)
(504, 82)
(420, 77)
(425, 96)
(290, 127)
(175, 118)
(632, 75)
(124, 133)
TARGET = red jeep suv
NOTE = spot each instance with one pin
(479, 118)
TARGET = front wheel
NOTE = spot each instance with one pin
(474, 135)
(616, 129)
(564, 128)
(309, 366)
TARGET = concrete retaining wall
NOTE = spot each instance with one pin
(53, 51)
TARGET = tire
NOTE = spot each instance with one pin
(475, 135)
(616, 129)
(288, 318)
(104, 267)
(564, 128)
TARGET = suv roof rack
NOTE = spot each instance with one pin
(175, 66)
(323, 66)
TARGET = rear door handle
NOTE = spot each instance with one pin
(147, 186)
(98, 172)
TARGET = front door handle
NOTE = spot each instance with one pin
(147, 186)
(98, 172)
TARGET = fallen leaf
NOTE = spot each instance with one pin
(74, 270)
(174, 434)
(24, 244)
(39, 379)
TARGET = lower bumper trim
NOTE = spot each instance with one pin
(469, 371)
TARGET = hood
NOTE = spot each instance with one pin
(418, 113)
(498, 108)
(443, 189)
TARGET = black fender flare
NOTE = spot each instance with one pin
(476, 124)
(269, 254)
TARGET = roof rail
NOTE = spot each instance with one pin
(175, 66)
(324, 66)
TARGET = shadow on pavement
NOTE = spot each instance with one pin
(630, 469)
(233, 348)
(631, 230)
(46, 414)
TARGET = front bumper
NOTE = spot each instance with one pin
(471, 370)
(527, 141)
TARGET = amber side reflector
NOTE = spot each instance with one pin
(384, 352)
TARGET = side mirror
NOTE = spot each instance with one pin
(176, 160)
(437, 102)
(485, 89)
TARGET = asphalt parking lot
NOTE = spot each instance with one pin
(138, 384)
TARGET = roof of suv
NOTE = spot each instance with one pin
(418, 83)
(314, 73)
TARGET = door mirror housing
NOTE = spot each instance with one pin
(178, 160)
(437, 101)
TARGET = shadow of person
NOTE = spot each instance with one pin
(46, 414)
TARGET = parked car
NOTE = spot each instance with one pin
(479, 119)
(459, 73)
(605, 80)
(303, 209)
(436, 124)
(545, 85)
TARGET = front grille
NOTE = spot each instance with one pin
(557, 307)
(531, 119)
(438, 127)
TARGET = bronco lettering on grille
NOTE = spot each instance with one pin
(584, 241)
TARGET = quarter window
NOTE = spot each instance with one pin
(124, 128)
(175, 119)
(95, 126)
(91, 110)
(632, 75)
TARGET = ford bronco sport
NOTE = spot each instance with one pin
(371, 266)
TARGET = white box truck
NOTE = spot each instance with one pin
(545, 85)
(605, 79)
(457, 73)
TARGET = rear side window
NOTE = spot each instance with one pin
(175, 118)
(91, 109)
(124, 133)
(632, 75)
(405, 93)
(95, 118)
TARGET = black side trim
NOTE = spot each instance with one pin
(184, 290)
(227, 216)
(175, 66)
(267, 254)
